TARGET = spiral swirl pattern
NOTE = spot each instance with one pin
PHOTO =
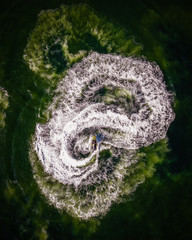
(100, 90)
(123, 99)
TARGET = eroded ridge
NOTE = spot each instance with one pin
(4, 103)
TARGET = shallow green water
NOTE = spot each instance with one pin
(161, 207)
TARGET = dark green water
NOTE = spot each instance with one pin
(161, 207)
